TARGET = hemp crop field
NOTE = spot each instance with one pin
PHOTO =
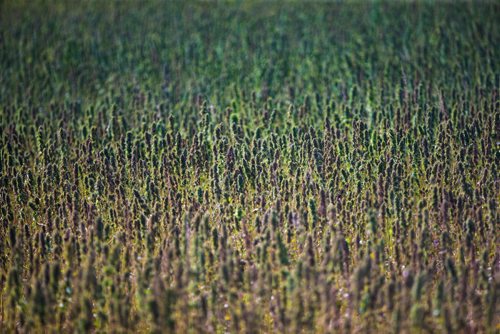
(249, 167)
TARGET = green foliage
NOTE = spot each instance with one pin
(249, 166)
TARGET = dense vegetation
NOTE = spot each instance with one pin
(249, 167)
